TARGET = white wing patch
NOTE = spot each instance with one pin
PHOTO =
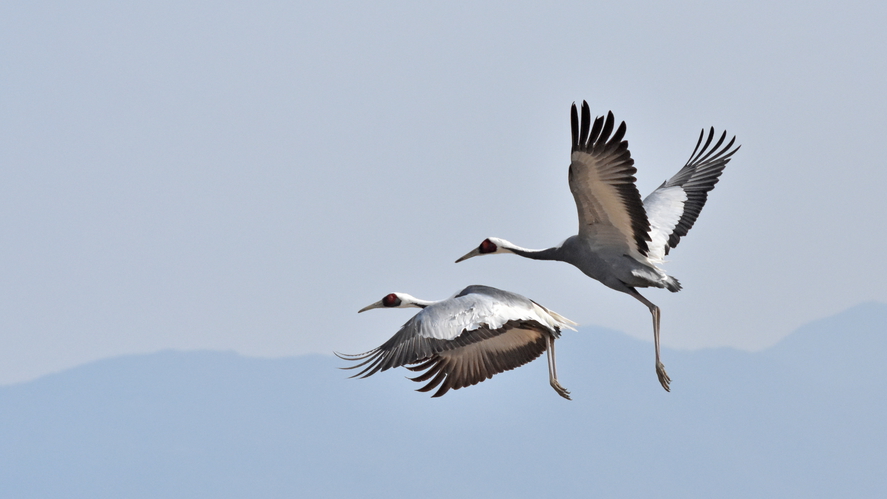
(664, 208)
(448, 319)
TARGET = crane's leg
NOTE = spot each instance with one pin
(552, 371)
(664, 380)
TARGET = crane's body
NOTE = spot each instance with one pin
(621, 239)
(463, 340)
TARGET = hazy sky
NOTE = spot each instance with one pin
(246, 176)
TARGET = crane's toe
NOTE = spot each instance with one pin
(664, 380)
(563, 392)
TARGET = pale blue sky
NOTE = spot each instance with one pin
(247, 176)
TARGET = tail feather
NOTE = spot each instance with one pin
(672, 284)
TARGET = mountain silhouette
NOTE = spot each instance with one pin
(803, 418)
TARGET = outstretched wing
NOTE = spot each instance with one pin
(466, 339)
(673, 208)
(603, 184)
(512, 345)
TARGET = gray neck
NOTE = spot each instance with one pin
(422, 303)
(546, 254)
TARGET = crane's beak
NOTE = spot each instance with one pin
(474, 252)
(378, 304)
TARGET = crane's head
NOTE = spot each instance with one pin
(396, 300)
(489, 246)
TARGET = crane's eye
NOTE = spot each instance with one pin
(487, 247)
(391, 300)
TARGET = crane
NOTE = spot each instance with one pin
(621, 238)
(467, 338)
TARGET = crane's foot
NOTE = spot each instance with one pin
(563, 392)
(664, 380)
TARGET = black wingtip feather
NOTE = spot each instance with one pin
(595, 132)
(605, 133)
(586, 122)
(618, 136)
(574, 126)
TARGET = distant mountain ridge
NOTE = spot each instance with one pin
(805, 417)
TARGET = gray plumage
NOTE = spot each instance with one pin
(621, 238)
(468, 338)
